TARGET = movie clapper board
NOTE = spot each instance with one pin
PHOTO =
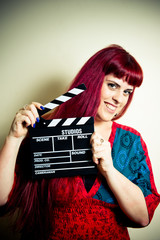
(61, 147)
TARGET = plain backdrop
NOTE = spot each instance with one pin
(43, 45)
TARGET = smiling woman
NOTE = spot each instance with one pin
(114, 97)
(123, 193)
(113, 60)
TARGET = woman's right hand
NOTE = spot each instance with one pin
(25, 117)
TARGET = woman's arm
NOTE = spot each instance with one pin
(8, 155)
(9, 151)
(129, 196)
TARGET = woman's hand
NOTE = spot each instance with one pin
(8, 154)
(129, 196)
(25, 117)
(101, 150)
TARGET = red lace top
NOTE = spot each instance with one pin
(87, 218)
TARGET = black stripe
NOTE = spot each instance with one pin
(60, 123)
(90, 121)
(69, 94)
(82, 86)
(57, 102)
(75, 121)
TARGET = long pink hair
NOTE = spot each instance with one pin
(113, 59)
(36, 199)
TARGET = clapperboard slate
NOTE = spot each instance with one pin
(61, 147)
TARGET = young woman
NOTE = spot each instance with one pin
(122, 195)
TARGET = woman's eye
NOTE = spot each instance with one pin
(112, 85)
(127, 92)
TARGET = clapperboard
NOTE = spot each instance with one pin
(61, 147)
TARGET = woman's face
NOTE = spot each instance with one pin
(114, 96)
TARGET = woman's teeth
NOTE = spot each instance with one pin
(110, 106)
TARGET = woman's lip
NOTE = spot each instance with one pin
(110, 107)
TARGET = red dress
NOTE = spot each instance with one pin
(96, 214)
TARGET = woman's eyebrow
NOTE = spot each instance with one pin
(112, 81)
(129, 89)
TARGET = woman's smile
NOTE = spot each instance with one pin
(111, 108)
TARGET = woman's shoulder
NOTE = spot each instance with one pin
(125, 128)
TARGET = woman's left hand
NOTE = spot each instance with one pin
(101, 150)
(129, 196)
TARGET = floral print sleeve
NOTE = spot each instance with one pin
(131, 158)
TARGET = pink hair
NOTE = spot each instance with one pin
(36, 198)
(113, 59)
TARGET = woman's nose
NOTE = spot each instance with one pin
(118, 96)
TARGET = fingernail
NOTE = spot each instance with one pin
(42, 107)
(37, 119)
(34, 125)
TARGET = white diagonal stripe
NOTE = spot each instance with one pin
(68, 122)
(54, 122)
(63, 98)
(76, 91)
(51, 105)
(83, 120)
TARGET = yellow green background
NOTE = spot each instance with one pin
(43, 45)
